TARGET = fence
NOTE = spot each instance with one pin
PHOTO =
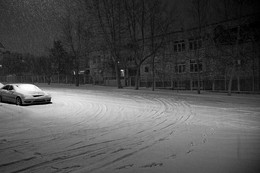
(66, 79)
(241, 85)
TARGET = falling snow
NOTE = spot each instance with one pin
(29, 25)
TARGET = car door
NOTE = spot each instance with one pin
(4, 93)
(11, 94)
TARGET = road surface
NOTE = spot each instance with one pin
(103, 129)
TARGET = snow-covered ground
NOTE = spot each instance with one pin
(103, 129)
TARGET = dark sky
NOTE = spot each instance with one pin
(29, 25)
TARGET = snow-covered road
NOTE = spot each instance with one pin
(102, 129)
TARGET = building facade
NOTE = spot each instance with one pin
(194, 57)
(2, 50)
(207, 56)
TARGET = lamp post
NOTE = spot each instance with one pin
(1, 66)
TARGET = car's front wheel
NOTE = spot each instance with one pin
(0, 99)
(19, 101)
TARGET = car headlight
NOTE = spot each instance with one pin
(47, 94)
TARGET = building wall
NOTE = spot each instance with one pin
(2, 49)
(185, 49)
(176, 64)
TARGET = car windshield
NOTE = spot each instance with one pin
(28, 87)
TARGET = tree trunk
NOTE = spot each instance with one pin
(125, 77)
(213, 85)
(76, 71)
(118, 76)
(191, 85)
(253, 83)
(153, 84)
(225, 82)
(178, 83)
(49, 80)
(198, 75)
(77, 78)
(172, 85)
(253, 73)
(238, 84)
(231, 79)
(137, 77)
(163, 82)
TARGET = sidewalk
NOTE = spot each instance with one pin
(143, 90)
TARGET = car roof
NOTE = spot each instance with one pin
(19, 84)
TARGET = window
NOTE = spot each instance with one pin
(179, 46)
(175, 47)
(146, 69)
(180, 68)
(195, 44)
(122, 73)
(28, 87)
(183, 46)
(191, 45)
(194, 66)
(130, 59)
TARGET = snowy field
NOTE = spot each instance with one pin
(103, 129)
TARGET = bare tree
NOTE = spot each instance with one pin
(253, 36)
(109, 14)
(230, 41)
(160, 20)
(200, 13)
(147, 25)
(77, 33)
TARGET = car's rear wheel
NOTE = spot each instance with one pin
(19, 101)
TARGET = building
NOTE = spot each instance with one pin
(188, 53)
(189, 56)
(2, 50)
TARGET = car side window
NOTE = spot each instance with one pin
(5, 87)
(10, 88)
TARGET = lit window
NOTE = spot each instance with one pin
(122, 73)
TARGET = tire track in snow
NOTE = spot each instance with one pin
(139, 121)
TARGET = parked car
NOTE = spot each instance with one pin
(23, 94)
